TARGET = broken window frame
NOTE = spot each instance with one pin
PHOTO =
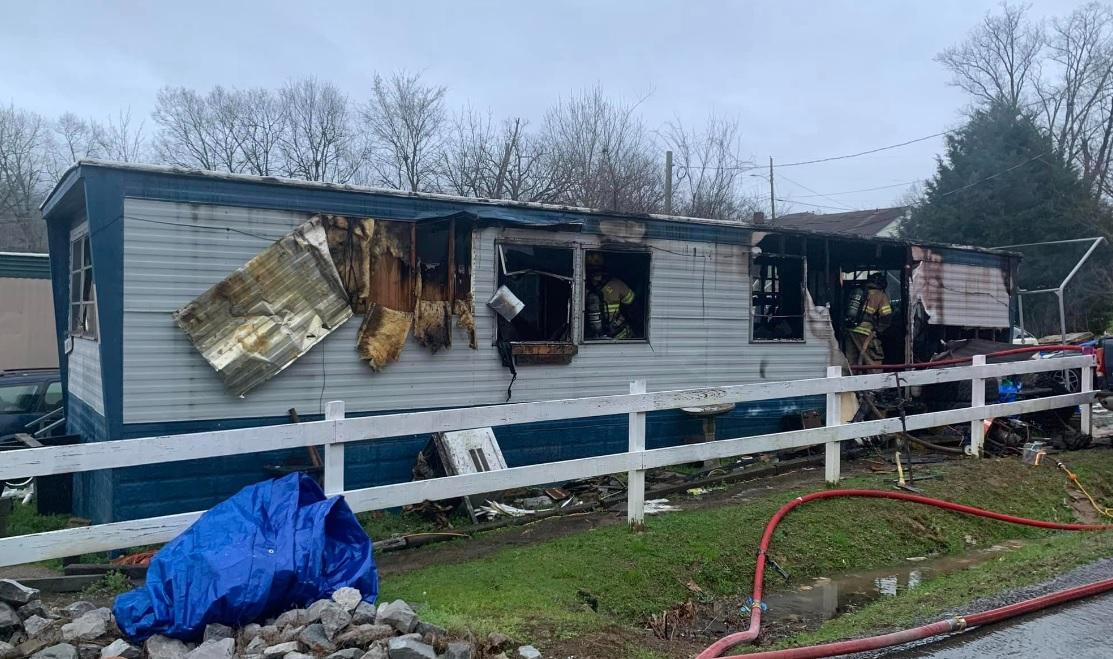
(753, 276)
(83, 321)
(573, 281)
(581, 300)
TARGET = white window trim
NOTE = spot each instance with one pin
(81, 233)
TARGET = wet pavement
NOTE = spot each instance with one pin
(1080, 630)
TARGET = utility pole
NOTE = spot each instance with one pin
(668, 182)
(772, 197)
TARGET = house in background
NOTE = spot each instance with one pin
(27, 338)
(880, 222)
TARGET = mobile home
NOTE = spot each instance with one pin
(189, 300)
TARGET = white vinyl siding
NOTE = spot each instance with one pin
(173, 252)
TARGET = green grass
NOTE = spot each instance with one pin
(1037, 561)
(25, 519)
(113, 583)
(543, 588)
(381, 525)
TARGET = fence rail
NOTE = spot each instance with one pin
(336, 431)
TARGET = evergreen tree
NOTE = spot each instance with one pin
(1001, 182)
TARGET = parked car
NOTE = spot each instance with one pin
(26, 395)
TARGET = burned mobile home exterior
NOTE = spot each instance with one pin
(189, 300)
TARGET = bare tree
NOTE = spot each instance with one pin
(467, 155)
(605, 151)
(405, 120)
(202, 131)
(319, 142)
(185, 137)
(75, 139)
(1075, 95)
(119, 138)
(505, 161)
(998, 60)
(708, 170)
(1061, 71)
(25, 166)
(263, 122)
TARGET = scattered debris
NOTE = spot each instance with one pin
(658, 506)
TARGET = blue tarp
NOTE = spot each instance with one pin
(272, 546)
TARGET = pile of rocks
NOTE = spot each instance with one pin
(343, 627)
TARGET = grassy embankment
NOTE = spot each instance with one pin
(540, 591)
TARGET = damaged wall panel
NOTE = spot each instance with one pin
(961, 288)
(259, 319)
(383, 334)
(699, 315)
(421, 270)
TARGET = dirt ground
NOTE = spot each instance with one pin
(543, 530)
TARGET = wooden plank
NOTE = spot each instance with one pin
(91, 539)
(635, 480)
(401, 494)
(118, 535)
(334, 452)
(63, 584)
(977, 399)
(1087, 384)
(833, 450)
(170, 448)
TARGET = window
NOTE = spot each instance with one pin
(83, 292)
(777, 309)
(18, 398)
(616, 295)
(52, 398)
(541, 278)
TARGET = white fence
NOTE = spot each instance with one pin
(336, 431)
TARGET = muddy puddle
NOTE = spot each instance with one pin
(824, 598)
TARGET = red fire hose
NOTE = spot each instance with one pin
(962, 360)
(715, 650)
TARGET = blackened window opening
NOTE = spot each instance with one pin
(541, 277)
(778, 298)
(616, 295)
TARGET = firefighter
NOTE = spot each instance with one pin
(863, 345)
(606, 298)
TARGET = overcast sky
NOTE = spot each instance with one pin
(806, 79)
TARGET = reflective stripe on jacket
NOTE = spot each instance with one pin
(878, 310)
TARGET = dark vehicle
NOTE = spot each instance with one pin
(26, 395)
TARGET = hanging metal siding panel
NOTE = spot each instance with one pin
(962, 288)
(699, 328)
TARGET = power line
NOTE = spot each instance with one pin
(880, 187)
(993, 176)
(747, 168)
(865, 153)
(942, 194)
(832, 208)
(818, 194)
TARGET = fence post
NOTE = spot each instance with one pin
(977, 399)
(833, 464)
(334, 452)
(635, 481)
(1087, 408)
